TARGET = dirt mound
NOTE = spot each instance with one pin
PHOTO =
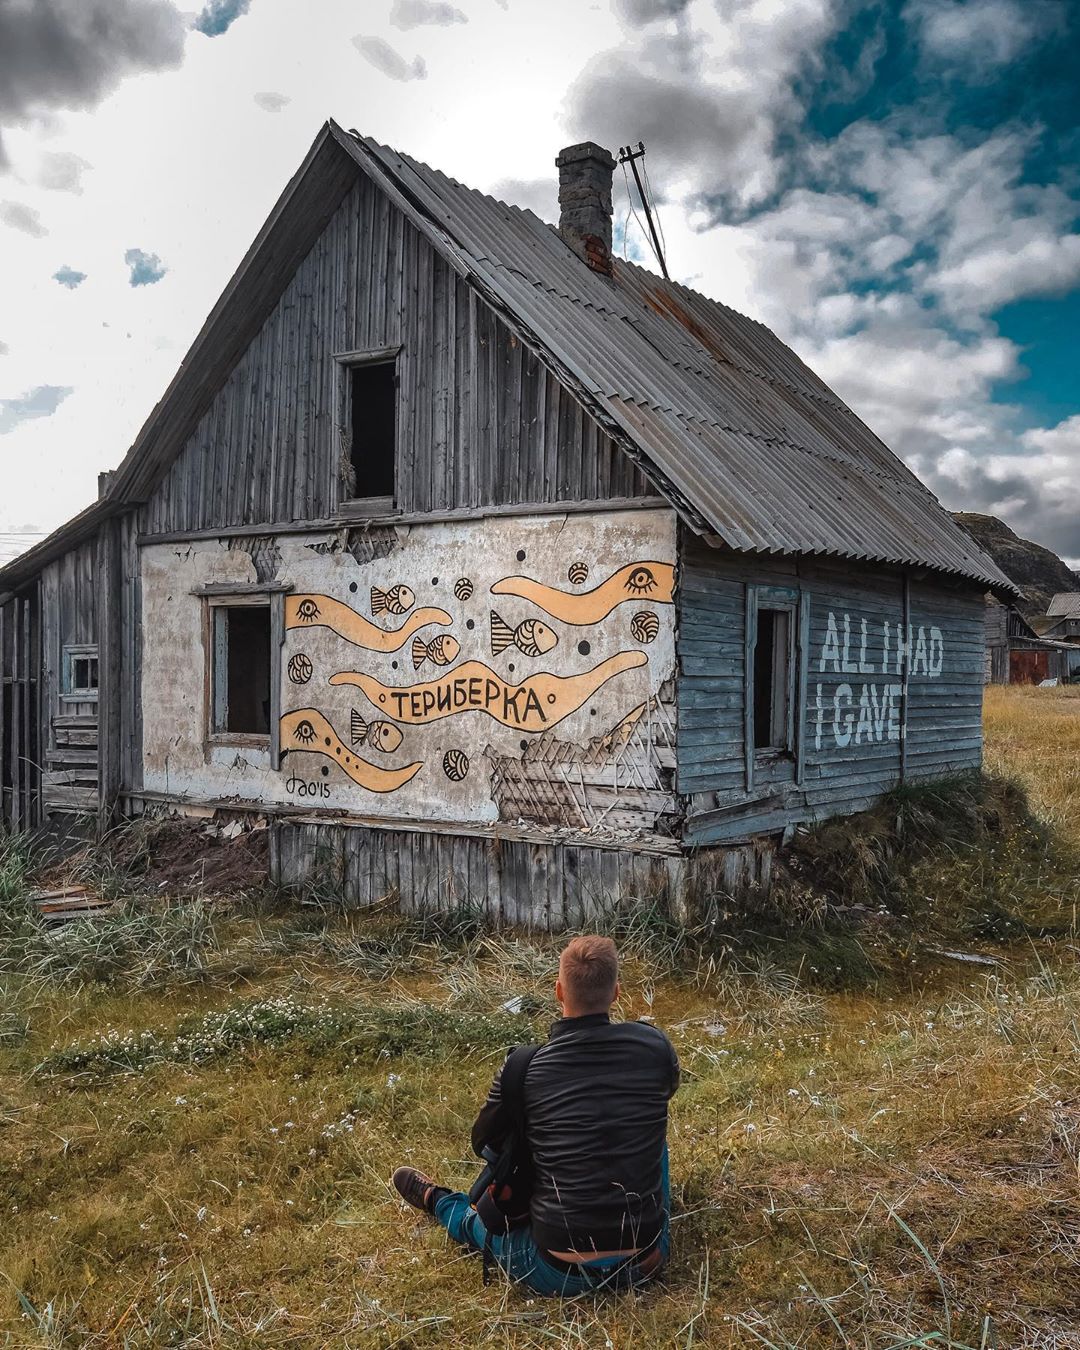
(182, 857)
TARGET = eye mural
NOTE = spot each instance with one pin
(655, 580)
(531, 637)
(463, 589)
(308, 731)
(306, 611)
(578, 573)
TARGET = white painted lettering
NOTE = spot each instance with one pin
(937, 653)
(843, 737)
(830, 649)
(847, 665)
(865, 668)
(865, 728)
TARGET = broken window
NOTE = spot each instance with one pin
(771, 687)
(80, 673)
(373, 419)
(240, 670)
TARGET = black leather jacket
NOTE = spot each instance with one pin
(596, 1098)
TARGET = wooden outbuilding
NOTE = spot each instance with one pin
(488, 566)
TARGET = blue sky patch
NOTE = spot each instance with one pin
(40, 402)
(146, 268)
(69, 277)
(218, 16)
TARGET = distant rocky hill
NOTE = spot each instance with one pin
(1038, 572)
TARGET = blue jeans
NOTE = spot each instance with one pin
(522, 1261)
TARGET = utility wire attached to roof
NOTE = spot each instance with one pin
(628, 155)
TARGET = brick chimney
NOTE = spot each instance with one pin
(585, 202)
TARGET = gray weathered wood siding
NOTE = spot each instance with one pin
(860, 733)
(20, 710)
(543, 884)
(69, 617)
(481, 422)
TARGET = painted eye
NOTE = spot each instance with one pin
(307, 610)
(305, 732)
(640, 581)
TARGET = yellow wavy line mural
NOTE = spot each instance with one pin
(540, 701)
(323, 611)
(308, 730)
(653, 581)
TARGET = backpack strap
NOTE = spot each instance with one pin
(512, 1091)
(512, 1081)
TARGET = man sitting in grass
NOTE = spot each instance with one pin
(594, 1104)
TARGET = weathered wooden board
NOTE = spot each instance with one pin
(481, 421)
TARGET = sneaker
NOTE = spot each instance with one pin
(417, 1189)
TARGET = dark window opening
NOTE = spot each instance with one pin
(373, 412)
(80, 672)
(241, 670)
(772, 663)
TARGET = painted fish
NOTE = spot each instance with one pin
(394, 601)
(531, 637)
(440, 650)
(379, 735)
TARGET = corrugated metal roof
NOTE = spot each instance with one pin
(753, 442)
(1065, 605)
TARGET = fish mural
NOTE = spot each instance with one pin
(440, 651)
(323, 611)
(397, 600)
(531, 637)
(307, 729)
(539, 702)
(653, 581)
(383, 736)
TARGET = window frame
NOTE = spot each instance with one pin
(70, 692)
(796, 604)
(243, 599)
(347, 362)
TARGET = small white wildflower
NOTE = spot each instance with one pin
(393, 1079)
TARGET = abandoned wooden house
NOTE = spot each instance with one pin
(1016, 654)
(484, 564)
(1063, 615)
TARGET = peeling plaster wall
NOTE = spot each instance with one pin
(557, 713)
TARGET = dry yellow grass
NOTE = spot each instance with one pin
(1034, 734)
(873, 1168)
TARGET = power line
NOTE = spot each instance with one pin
(628, 155)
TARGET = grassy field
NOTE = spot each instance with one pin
(877, 1143)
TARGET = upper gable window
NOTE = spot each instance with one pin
(373, 400)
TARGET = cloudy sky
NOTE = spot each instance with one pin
(892, 185)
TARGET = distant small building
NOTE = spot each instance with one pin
(1016, 654)
(1064, 613)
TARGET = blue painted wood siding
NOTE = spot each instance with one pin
(872, 709)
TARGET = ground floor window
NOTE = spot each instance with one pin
(771, 679)
(240, 669)
(777, 622)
